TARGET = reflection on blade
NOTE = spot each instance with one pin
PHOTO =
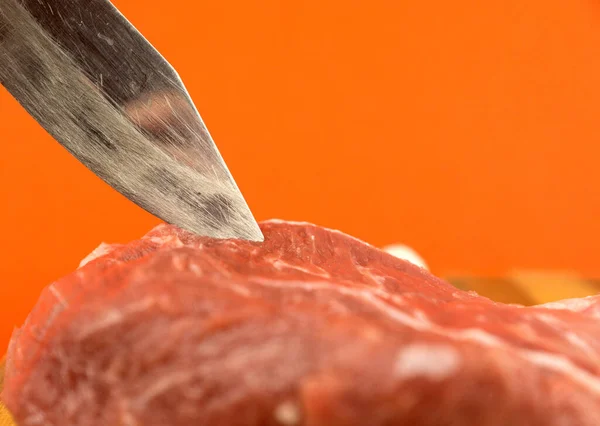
(101, 90)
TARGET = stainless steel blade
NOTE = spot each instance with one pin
(102, 91)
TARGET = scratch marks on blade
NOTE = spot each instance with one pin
(108, 40)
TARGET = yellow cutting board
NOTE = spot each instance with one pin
(5, 417)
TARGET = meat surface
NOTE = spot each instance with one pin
(311, 328)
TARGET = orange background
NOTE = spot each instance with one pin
(467, 129)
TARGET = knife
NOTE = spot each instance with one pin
(103, 92)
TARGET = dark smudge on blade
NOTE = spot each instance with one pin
(4, 30)
(94, 130)
(219, 207)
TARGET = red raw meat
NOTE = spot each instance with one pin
(311, 328)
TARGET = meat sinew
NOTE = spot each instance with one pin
(312, 328)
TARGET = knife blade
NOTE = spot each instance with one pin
(82, 70)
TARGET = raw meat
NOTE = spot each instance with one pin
(311, 328)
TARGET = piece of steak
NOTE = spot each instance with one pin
(312, 328)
